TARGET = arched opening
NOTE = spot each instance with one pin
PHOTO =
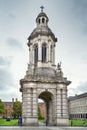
(39, 20)
(43, 20)
(35, 54)
(51, 53)
(41, 112)
(49, 111)
(44, 52)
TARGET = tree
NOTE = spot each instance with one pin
(2, 108)
(17, 109)
(39, 114)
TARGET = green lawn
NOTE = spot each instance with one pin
(42, 120)
(12, 122)
(78, 122)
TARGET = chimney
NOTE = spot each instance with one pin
(16, 99)
(12, 100)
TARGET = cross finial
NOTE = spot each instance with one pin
(42, 7)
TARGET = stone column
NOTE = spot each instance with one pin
(26, 106)
(35, 103)
(62, 115)
(65, 104)
(30, 106)
(47, 52)
(32, 54)
(33, 116)
(50, 114)
(58, 105)
(53, 54)
(49, 49)
(39, 51)
(24, 109)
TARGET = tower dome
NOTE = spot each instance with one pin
(42, 27)
(42, 18)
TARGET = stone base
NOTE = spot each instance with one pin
(51, 124)
(62, 122)
(30, 122)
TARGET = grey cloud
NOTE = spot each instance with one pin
(84, 58)
(11, 15)
(73, 91)
(5, 79)
(80, 8)
(82, 87)
(4, 61)
(14, 44)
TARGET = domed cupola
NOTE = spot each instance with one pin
(42, 19)
(42, 28)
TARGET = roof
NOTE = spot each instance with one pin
(42, 30)
(41, 15)
(71, 98)
(8, 103)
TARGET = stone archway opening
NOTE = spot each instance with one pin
(41, 112)
(47, 98)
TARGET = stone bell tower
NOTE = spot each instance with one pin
(43, 79)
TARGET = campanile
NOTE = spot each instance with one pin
(43, 78)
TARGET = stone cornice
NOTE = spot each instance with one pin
(44, 80)
(42, 32)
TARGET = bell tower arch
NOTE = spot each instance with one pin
(43, 78)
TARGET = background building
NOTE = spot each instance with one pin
(78, 106)
(9, 109)
(42, 107)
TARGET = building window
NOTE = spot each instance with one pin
(44, 49)
(39, 21)
(86, 101)
(51, 48)
(35, 54)
(43, 20)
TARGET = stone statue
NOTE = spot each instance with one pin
(59, 65)
(28, 66)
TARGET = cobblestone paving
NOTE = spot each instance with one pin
(43, 128)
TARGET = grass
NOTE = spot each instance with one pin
(78, 122)
(42, 120)
(12, 122)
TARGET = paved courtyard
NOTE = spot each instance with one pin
(43, 128)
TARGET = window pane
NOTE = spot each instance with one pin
(44, 53)
(35, 54)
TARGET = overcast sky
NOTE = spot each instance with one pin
(67, 20)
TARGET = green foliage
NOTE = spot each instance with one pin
(42, 120)
(39, 114)
(2, 108)
(78, 122)
(13, 122)
(17, 109)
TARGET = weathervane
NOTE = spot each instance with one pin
(42, 7)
